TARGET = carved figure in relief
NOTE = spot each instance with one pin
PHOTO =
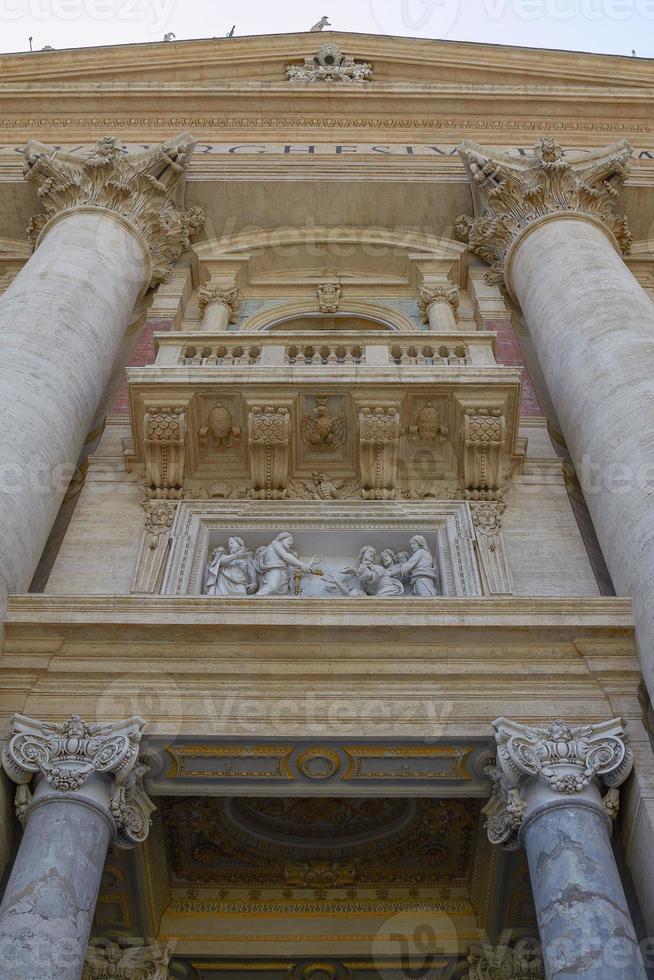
(277, 563)
(421, 574)
(231, 571)
(372, 577)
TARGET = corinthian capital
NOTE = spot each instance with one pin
(493, 963)
(143, 188)
(510, 193)
(106, 959)
(428, 295)
(566, 760)
(67, 755)
(224, 295)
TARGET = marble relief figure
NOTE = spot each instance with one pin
(277, 563)
(231, 571)
(276, 570)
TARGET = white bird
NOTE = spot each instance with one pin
(322, 23)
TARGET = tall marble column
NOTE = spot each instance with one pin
(111, 228)
(125, 961)
(548, 227)
(86, 791)
(219, 305)
(547, 796)
(438, 304)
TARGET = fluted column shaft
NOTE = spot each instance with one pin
(592, 326)
(550, 229)
(61, 324)
(110, 228)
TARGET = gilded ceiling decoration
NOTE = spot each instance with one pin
(318, 842)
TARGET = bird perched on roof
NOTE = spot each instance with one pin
(169, 37)
(322, 23)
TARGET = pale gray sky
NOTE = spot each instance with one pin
(609, 26)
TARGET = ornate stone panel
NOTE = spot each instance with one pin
(333, 534)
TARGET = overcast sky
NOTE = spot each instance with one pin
(610, 26)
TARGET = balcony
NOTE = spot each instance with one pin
(389, 414)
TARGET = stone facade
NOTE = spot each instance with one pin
(333, 512)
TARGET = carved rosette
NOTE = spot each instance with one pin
(567, 759)
(269, 433)
(214, 293)
(68, 754)
(106, 959)
(493, 963)
(143, 188)
(429, 295)
(510, 193)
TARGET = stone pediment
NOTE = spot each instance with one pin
(241, 61)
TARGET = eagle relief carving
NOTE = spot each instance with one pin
(323, 431)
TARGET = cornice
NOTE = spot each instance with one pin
(214, 53)
(43, 611)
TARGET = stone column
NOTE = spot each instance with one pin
(87, 790)
(547, 797)
(438, 305)
(548, 228)
(219, 305)
(109, 231)
(125, 961)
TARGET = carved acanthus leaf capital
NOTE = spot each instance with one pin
(106, 959)
(506, 963)
(227, 296)
(510, 193)
(141, 187)
(429, 295)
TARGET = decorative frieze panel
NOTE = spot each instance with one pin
(272, 441)
(301, 767)
(367, 551)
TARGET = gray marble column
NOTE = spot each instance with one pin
(550, 228)
(79, 788)
(111, 228)
(547, 796)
